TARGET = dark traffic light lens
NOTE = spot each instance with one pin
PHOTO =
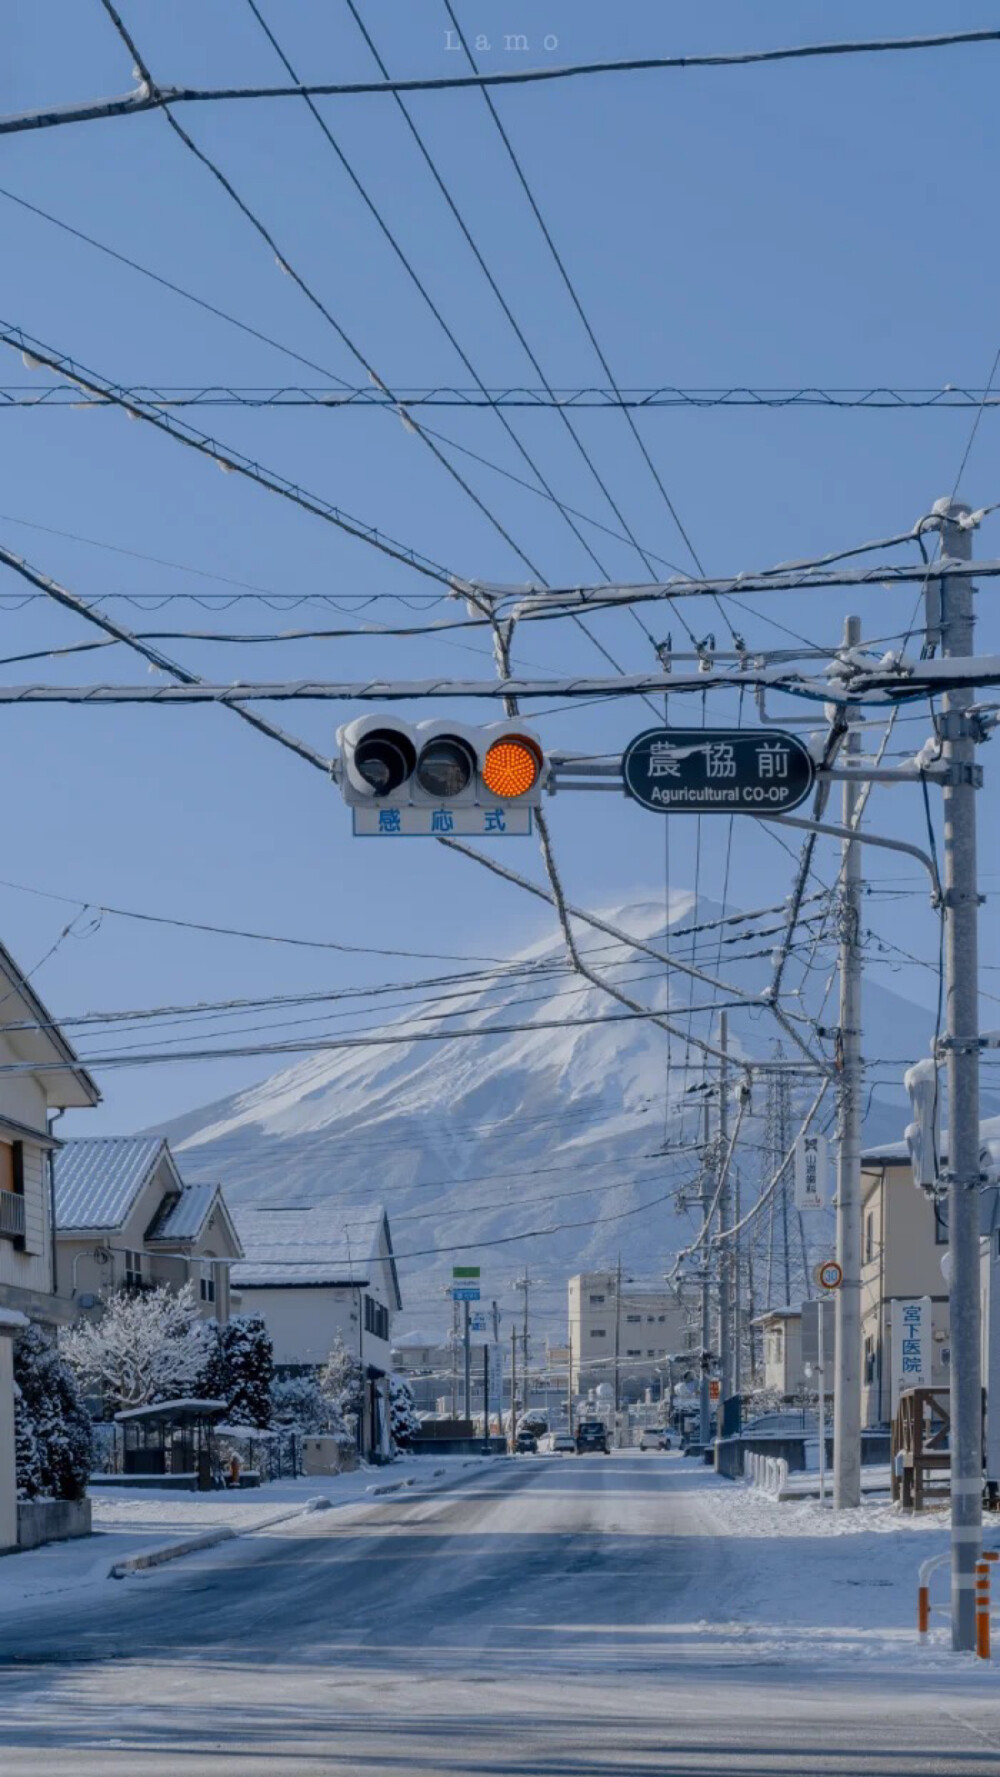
(385, 759)
(446, 767)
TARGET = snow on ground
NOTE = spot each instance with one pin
(798, 1580)
(132, 1521)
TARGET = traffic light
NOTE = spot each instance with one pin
(444, 776)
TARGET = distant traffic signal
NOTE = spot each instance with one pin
(445, 770)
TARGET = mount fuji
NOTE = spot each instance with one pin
(560, 1143)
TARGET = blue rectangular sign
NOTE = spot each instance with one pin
(465, 1292)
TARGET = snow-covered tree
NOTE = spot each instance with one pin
(52, 1418)
(249, 1359)
(534, 1421)
(342, 1382)
(212, 1381)
(403, 1422)
(299, 1402)
(27, 1461)
(143, 1348)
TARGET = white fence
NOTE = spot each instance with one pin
(769, 1473)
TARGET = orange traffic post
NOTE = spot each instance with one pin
(983, 1610)
(923, 1610)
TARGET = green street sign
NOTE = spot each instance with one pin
(465, 1271)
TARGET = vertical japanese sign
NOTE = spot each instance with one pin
(912, 1343)
(718, 771)
(810, 1172)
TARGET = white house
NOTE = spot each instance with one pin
(125, 1219)
(316, 1272)
(39, 1075)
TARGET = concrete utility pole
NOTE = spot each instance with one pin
(847, 1346)
(618, 1349)
(704, 1402)
(467, 1352)
(513, 1387)
(725, 1220)
(961, 921)
(524, 1283)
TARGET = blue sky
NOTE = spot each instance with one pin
(818, 223)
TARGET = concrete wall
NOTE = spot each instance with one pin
(8, 1473)
(324, 1456)
(304, 1323)
(51, 1521)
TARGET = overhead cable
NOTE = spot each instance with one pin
(148, 97)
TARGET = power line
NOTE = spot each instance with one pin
(149, 97)
(345, 397)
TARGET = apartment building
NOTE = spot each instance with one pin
(632, 1334)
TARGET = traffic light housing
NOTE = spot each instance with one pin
(389, 763)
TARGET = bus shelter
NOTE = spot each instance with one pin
(172, 1439)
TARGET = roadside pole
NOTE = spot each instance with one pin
(961, 919)
(847, 1345)
(821, 1367)
(569, 1382)
(725, 1220)
(486, 1397)
(618, 1350)
(513, 1387)
(467, 1354)
(706, 1301)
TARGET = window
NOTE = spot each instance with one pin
(869, 1237)
(376, 1318)
(651, 1354)
(12, 1192)
(661, 1318)
(597, 1333)
(651, 1320)
(596, 1301)
(133, 1271)
(207, 1283)
(633, 1354)
(869, 1361)
(634, 1320)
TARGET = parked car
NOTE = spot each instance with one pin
(564, 1442)
(591, 1435)
(654, 1438)
(526, 1443)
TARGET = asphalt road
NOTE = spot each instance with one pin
(547, 1619)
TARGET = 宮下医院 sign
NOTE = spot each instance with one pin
(718, 770)
(911, 1339)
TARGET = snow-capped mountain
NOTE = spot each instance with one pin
(575, 1133)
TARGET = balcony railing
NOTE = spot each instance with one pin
(11, 1216)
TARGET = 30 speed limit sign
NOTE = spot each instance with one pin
(829, 1275)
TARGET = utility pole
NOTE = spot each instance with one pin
(961, 921)
(513, 1387)
(486, 1397)
(737, 1378)
(847, 1339)
(524, 1283)
(618, 1349)
(467, 1352)
(569, 1381)
(706, 1301)
(725, 1219)
(454, 1358)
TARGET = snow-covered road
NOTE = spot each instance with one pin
(547, 1618)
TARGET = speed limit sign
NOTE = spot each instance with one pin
(829, 1275)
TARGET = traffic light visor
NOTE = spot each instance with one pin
(384, 758)
(511, 767)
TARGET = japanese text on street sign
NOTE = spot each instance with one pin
(434, 823)
(466, 1271)
(465, 1292)
(718, 771)
(911, 1341)
(810, 1171)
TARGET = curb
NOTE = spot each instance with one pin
(120, 1570)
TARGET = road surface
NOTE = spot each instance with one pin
(552, 1617)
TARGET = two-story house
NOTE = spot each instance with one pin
(904, 1237)
(125, 1219)
(316, 1273)
(40, 1075)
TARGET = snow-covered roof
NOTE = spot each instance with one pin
(172, 1409)
(322, 1244)
(98, 1178)
(777, 1314)
(183, 1215)
(890, 1151)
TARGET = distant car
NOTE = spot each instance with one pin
(526, 1443)
(654, 1438)
(591, 1435)
(565, 1442)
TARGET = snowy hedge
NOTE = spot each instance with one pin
(52, 1427)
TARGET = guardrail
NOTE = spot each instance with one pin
(928, 1569)
(768, 1473)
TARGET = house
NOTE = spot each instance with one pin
(904, 1237)
(317, 1272)
(790, 1341)
(125, 1219)
(633, 1336)
(40, 1076)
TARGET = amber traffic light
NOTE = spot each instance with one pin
(511, 767)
